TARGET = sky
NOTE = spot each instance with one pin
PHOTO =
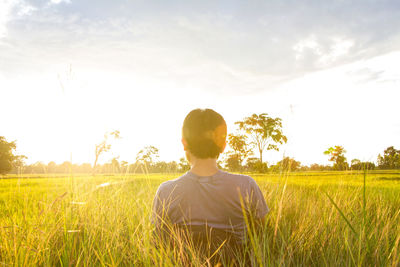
(70, 71)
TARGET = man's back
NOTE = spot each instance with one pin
(220, 201)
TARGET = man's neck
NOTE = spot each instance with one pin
(204, 167)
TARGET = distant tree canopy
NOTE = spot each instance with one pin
(318, 167)
(239, 151)
(234, 162)
(288, 164)
(239, 145)
(357, 164)
(390, 159)
(255, 165)
(336, 154)
(8, 159)
(148, 155)
(112, 167)
(183, 164)
(265, 132)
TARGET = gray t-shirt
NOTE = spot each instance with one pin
(219, 201)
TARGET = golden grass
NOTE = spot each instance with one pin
(105, 221)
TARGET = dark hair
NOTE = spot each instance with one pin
(201, 134)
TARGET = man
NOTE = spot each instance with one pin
(214, 206)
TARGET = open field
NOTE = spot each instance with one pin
(104, 220)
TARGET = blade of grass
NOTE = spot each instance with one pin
(341, 213)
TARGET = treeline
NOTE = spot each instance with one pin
(253, 136)
(147, 162)
(114, 166)
(389, 160)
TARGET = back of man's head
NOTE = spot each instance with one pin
(205, 133)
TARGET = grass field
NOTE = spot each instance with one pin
(316, 219)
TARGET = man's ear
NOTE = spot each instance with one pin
(223, 147)
(184, 143)
(219, 136)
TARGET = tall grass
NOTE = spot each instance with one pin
(316, 219)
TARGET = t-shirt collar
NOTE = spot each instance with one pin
(193, 175)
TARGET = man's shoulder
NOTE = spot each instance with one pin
(237, 177)
(169, 185)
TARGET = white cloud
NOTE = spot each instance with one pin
(341, 47)
(10, 10)
(309, 43)
(338, 49)
(5, 13)
(56, 2)
(326, 53)
(25, 9)
(267, 42)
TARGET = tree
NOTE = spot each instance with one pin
(356, 164)
(288, 164)
(51, 167)
(240, 151)
(336, 154)
(7, 156)
(183, 165)
(390, 159)
(234, 162)
(115, 165)
(317, 167)
(66, 167)
(104, 146)
(165, 167)
(173, 166)
(255, 165)
(265, 132)
(85, 168)
(238, 143)
(39, 167)
(124, 166)
(106, 168)
(19, 163)
(147, 156)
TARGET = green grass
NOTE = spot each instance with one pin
(316, 219)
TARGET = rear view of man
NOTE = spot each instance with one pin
(209, 203)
